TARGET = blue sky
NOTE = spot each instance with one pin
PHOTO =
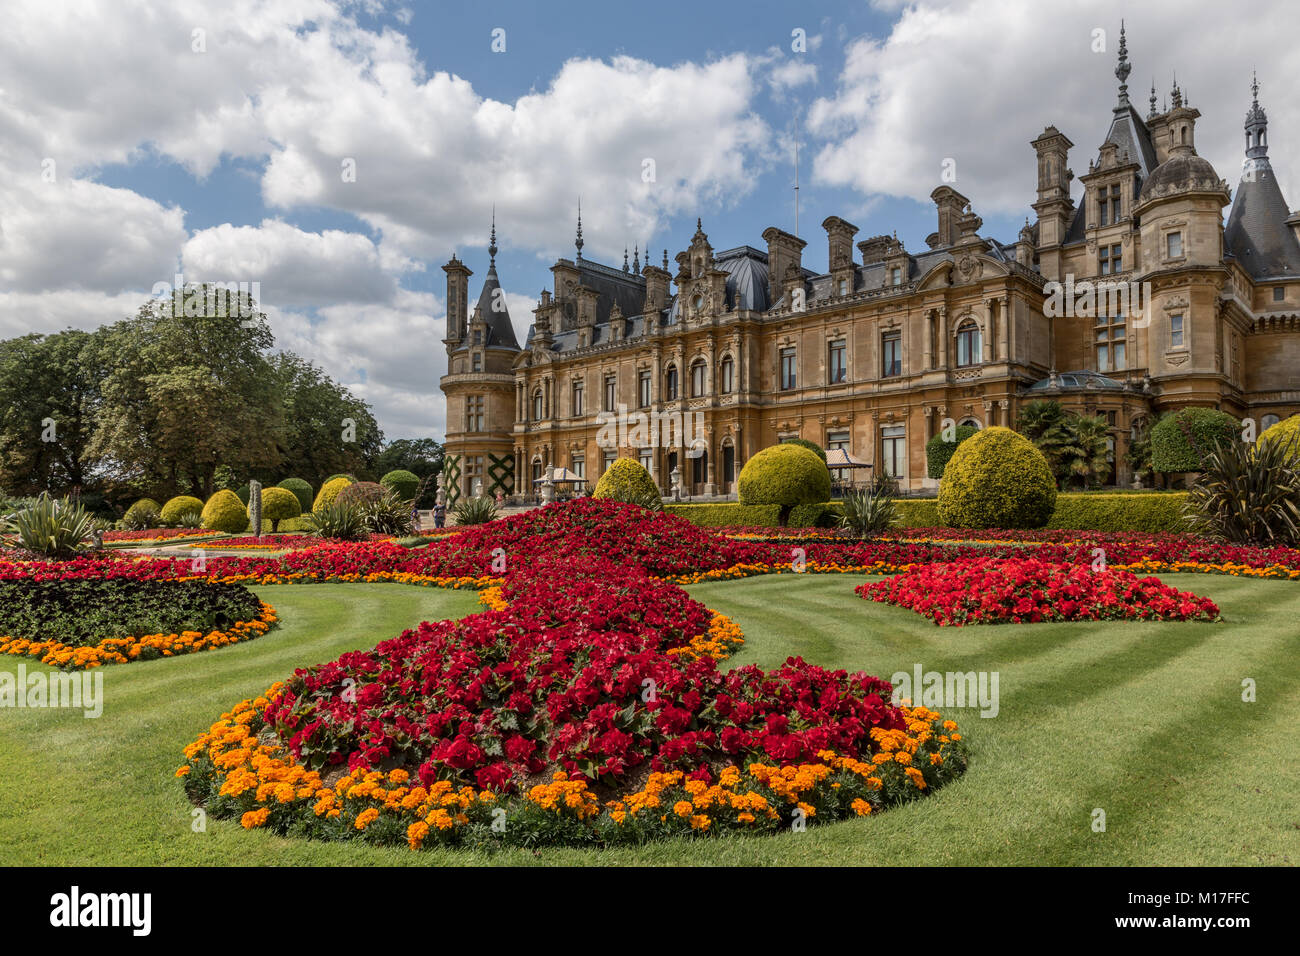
(209, 136)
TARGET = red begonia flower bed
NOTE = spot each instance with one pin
(1024, 590)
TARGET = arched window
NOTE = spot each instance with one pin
(698, 370)
(537, 405)
(970, 423)
(1268, 421)
(968, 344)
(670, 384)
(728, 374)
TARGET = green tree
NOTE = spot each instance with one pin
(327, 429)
(1044, 423)
(1085, 455)
(186, 394)
(49, 397)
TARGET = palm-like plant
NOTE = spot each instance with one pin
(870, 510)
(55, 528)
(1085, 453)
(341, 521)
(389, 514)
(1044, 423)
(474, 511)
(1248, 494)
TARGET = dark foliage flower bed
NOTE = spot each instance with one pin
(80, 613)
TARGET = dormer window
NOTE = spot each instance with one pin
(1109, 205)
(844, 287)
(478, 336)
(896, 276)
(477, 362)
(698, 302)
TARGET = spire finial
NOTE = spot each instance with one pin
(1176, 96)
(1153, 98)
(665, 260)
(1123, 69)
(625, 269)
(1254, 88)
(636, 259)
(578, 242)
(492, 243)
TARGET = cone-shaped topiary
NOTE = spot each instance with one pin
(360, 493)
(627, 480)
(785, 475)
(1287, 431)
(279, 504)
(404, 483)
(329, 491)
(301, 490)
(225, 512)
(997, 479)
(177, 507)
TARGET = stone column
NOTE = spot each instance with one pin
(927, 325)
(1004, 330)
(989, 319)
(941, 360)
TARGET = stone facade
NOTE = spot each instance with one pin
(875, 353)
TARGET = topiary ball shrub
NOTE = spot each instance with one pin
(360, 493)
(787, 475)
(627, 480)
(329, 491)
(142, 514)
(350, 478)
(1179, 442)
(402, 482)
(812, 446)
(279, 504)
(997, 479)
(1286, 432)
(301, 490)
(176, 509)
(939, 452)
(225, 512)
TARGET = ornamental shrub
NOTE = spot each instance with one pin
(997, 479)
(143, 514)
(938, 452)
(404, 483)
(176, 509)
(1149, 512)
(1286, 431)
(785, 475)
(360, 493)
(242, 492)
(350, 478)
(225, 512)
(301, 490)
(812, 446)
(279, 504)
(1179, 442)
(329, 491)
(627, 480)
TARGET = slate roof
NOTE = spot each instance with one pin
(500, 330)
(1257, 233)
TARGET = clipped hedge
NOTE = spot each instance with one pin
(301, 490)
(404, 483)
(225, 512)
(329, 491)
(939, 452)
(279, 504)
(1149, 513)
(1171, 448)
(997, 479)
(177, 507)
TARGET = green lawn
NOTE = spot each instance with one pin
(1142, 720)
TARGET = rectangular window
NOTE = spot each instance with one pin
(891, 352)
(474, 413)
(643, 389)
(1111, 345)
(788, 375)
(579, 466)
(1103, 210)
(1175, 331)
(646, 457)
(896, 276)
(1174, 245)
(893, 451)
(1279, 293)
(611, 395)
(607, 459)
(1112, 259)
(838, 369)
(478, 336)
(577, 399)
(478, 362)
(1114, 203)
(844, 287)
(834, 441)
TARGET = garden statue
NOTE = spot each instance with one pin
(478, 487)
(675, 482)
(548, 491)
(255, 507)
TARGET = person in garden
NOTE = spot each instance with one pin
(439, 514)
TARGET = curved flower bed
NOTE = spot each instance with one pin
(149, 535)
(78, 624)
(992, 591)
